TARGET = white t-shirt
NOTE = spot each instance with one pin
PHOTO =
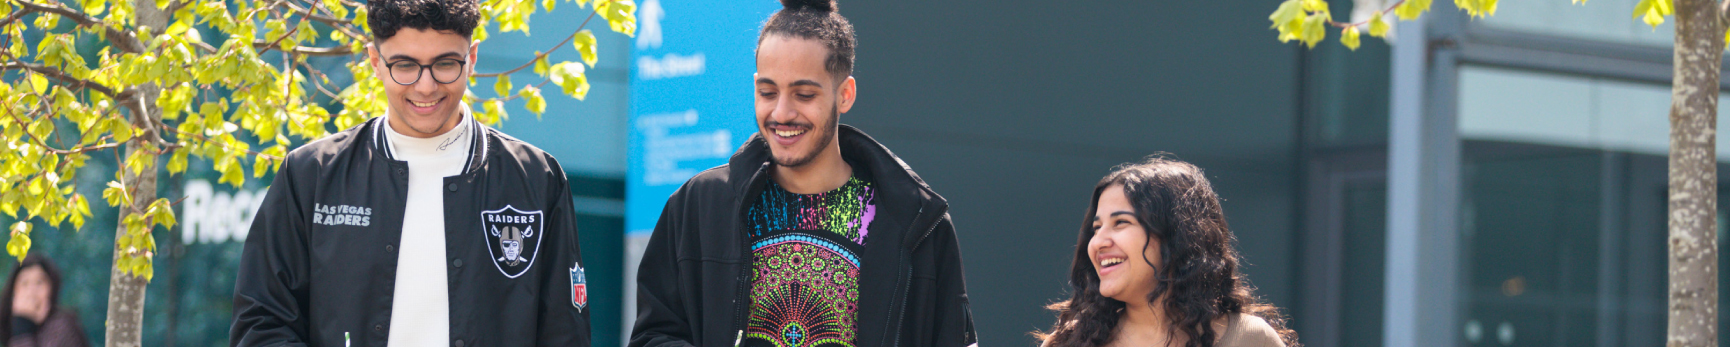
(420, 306)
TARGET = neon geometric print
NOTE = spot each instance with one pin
(805, 281)
(845, 211)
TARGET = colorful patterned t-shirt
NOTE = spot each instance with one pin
(805, 283)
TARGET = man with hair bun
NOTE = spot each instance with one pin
(420, 226)
(813, 234)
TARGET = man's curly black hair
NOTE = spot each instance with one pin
(816, 20)
(386, 17)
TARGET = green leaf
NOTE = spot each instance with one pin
(540, 64)
(1477, 8)
(1379, 26)
(260, 166)
(122, 130)
(584, 41)
(161, 213)
(503, 86)
(177, 161)
(177, 28)
(1315, 29)
(9, 202)
(19, 245)
(34, 190)
(1349, 37)
(115, 194)
(232, 174)
(569, 76)
(534, 102)
(79, 208)
(493, 111)
(144, 268)
(42, 127)
(621, 15)
(134, 224)
(1410, 9)
(38, 83)
(138, 161)
(1653, 11)
(1288, 11)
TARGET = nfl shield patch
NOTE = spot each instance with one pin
(513, 238)
(579, 287)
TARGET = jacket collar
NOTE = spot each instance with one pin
(902, 191)
(479, 143)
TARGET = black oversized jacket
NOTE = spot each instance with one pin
(692, 286)
(320, 260)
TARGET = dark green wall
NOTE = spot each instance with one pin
(1012, 110)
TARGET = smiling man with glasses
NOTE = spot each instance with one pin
(420, 227)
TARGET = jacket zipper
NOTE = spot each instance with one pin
(742, 297)
(907, 276)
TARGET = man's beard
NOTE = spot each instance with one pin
(825, 135)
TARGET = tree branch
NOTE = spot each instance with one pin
(72, 81)
(333, 22)
(513, 96)
(57, 151)
(1385, 11)
(302, 50)
(316, 76)
(125, 40)
(14, 17)
(1724, 13)
(291, 32)
(176, 6)
(543, 55)
(201, 138)
(63, 11)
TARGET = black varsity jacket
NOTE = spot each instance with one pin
(693, 284)
(319, 265)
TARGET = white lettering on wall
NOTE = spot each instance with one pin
(663, 152)
(649, 37)
(670, 65)
(210, 216)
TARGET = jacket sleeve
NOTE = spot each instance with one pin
(270, 292)
(564, 310)
(661, 309)
(955, 317)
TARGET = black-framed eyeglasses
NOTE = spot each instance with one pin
(444, 71)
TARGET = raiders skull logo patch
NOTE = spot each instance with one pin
(513, 238)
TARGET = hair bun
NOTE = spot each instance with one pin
(818, 5)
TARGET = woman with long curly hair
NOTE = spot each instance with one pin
(1155, 265)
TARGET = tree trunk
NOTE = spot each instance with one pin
(126, 291)
(1694, 175)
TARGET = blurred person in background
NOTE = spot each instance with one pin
(1155, 265)
(32, 300)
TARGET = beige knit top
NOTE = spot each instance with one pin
(1249, 331)
(1242, 331)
